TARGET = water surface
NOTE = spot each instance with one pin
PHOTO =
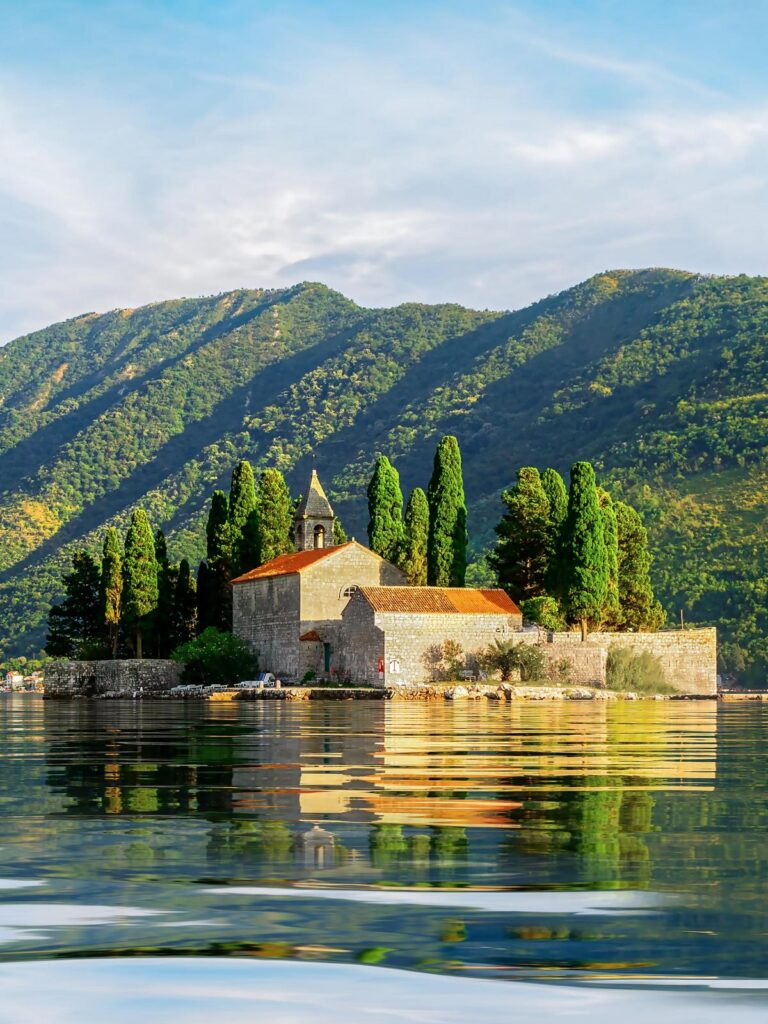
(584, 852)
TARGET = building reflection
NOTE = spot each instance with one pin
(394, 787)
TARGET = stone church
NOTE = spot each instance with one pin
(343, 610)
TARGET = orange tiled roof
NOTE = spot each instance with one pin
(286, 565)
(440, 600)
(312, 636)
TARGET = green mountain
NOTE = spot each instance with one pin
(657, 376)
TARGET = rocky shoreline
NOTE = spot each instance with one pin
(497, 692)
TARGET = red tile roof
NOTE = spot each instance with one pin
(312, 636)
(286, 565)
(440, 600)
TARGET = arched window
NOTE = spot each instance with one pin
(319, 536)
(349, 591)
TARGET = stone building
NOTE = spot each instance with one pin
(393, 634)
(289, 610)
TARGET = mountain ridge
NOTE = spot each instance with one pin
(654, 375)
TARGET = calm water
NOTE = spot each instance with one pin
(369, 861)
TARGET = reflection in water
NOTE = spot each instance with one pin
(204, 813)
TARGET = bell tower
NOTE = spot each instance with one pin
(314, 519)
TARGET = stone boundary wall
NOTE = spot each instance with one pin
(135, 677)
(688, 656)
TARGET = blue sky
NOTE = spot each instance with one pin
(486, 153)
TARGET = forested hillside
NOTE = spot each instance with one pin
(658, 377)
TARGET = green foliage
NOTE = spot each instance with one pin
(242, 503)
(184, 625)
(585, 565)
(339, 533)
(545, 611)
(111, 587)
(250, 543)
(611, 610)
(447, 543)
(275, 516)
(166, 586)
(522, 553)
(505, 656)
(641, 673)
(385, 511)
(638, 609)
(656, 376)
(414, 561)
(219, 561)
(140, 589)
(215, 658)
(75, 627)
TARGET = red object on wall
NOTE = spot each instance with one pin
(381, 664)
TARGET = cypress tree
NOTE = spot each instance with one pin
(219, 560)
(184, 605)
(339, 533)
(204, 600)
(242, 502)
(250, 543)
(585, 559)
(275, 515)
(638, 609)
(385, 510)
(76, 626)
(611, 538)
(165, 591)
(447, 545)
(414, 563)
(111, 589)
(557, 495)
(140, 590)
(521, 557)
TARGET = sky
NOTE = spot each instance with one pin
(484, 153)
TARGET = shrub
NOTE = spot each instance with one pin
(559, 671)
(444, 661)
(545, 612)
(505, 656)
(308, 676)
(215, 658)
(643, 673)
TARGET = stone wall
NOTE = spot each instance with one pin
(137, 677)
(404, 641)
(688, 656)
(265, 613)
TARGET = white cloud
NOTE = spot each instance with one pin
(390, 179)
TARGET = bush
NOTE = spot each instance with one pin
(544, 612)
(505, 656)
(445, 661)
(215, 658)
(626, 670)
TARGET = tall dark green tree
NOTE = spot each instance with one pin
(219, 561)
(585, 566)
(140, 589)
(557, 495)
(385, 511)
(339, 533)
(522, 554)
(275, 515)
(242, 502)
(250, 543)
(638, 608)
(111, 587)
(76, 626)
(611, 538)
(166, 584)
(447, 545)
(414, 562)
(184, 606)
(204, 600)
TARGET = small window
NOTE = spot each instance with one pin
(319, 536)
(350, 590)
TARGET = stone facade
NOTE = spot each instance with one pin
(135, 677)
(303, 595)
(688, 656)
(404, 642)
